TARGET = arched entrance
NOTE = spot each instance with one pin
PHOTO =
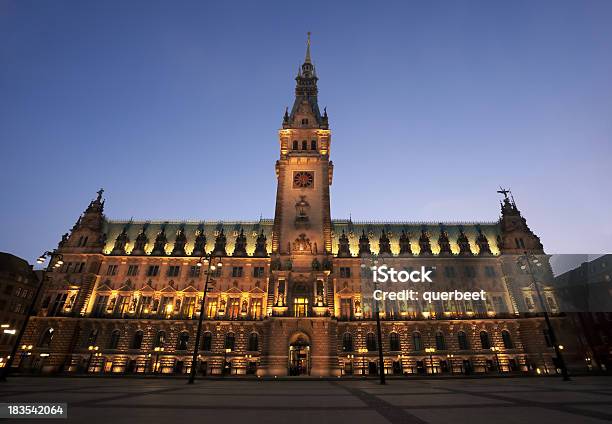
(299, 354)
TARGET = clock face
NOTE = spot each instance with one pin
(303, 179)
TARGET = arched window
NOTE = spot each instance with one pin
(304, 145)
(394, 342)
(295, 144)
(230, 341)
(485, 343)
(507, 339)
(305, 121)
(440, 342)
(253, 342)
(371, 342)
(46, 338)
(347, 342)
(417, 341)
(206, 341)
(183, 339)
(137, 341)
(463, 341)
(313, 145)
(91, 338)
(160, 339)
(114, 339)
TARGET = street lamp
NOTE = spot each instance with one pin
(4, 371)
(225, 364)
(381, 358)
(450, 357)
(363, 351)
(158, 350)
(208, 259)
(431, 351)
(526, 261)
(92, 349)
(495, 349)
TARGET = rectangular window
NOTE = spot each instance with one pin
(81, 266)
(489, 271)
(256, 308)
(211, 308)
(174, 270)
(345, 272)
(153, 270)
(111, 270)
(100, 305)
(68, 267)
(194, 271)
(346, 308)
(258, 271)
(234, 308)
(132, 270)
(237, 271)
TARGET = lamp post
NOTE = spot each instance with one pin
(495, 349)
(363, 351)
(525, 261)
(381, 358)
(208, 258)
(349, 358)
(450, 357)
(5, 371)
(158, 350)
(225, 365)
(431, 351)
(92, 349)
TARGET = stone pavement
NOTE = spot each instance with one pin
(151, 400)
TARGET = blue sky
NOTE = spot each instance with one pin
(173, 108)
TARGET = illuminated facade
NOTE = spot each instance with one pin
(291, 296)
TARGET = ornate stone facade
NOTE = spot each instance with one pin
(290, 297)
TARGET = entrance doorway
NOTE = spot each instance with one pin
(299, 356)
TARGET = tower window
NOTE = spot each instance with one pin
(305, 121)
(304, 145)
(313, 145)
(295, 144)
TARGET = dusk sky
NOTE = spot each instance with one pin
(173, 107)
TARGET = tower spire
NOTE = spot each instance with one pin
(307, 59)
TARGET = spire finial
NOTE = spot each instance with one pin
(307, 60)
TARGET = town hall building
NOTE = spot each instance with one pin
(290, 295)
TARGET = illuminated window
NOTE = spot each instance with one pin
(300, 307)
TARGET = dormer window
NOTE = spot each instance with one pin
(313, 145)
(305, 121)
(304, 145)
(295, 144)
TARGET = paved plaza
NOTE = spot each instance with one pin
(156, 400)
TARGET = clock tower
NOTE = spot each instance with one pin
(302, 222)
